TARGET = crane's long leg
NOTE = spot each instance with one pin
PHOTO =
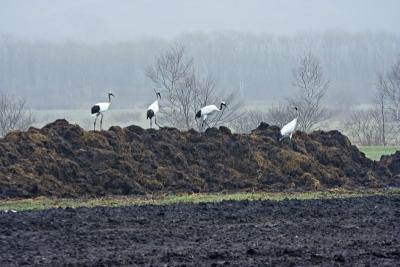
(204, 122)
(208, 125)
(151, 123)
(101, 122)
(95, 120)
(155, 121)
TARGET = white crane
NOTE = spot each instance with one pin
(153, 110)
(99, 108)
(208, 111)
(288, 129)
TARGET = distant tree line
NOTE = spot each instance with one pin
(72, 75)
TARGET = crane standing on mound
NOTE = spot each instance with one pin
(153, 110)
(99, 108)
(288, 129)
(208, 111)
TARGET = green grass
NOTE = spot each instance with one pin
(375, 152)
(48, 203)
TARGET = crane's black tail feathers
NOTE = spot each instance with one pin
(150, 114)
(95, 109)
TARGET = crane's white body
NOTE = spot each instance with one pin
(209, 110)
(154, 107)
(103, 107)
(288, 129)
(99, 108)
(152, 111)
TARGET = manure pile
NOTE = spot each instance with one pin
(63, 160)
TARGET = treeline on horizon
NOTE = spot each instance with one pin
(74, 75)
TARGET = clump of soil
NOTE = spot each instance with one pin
(392, 162)
(63, 160)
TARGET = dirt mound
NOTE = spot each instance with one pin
(62, 159)
(392, 162)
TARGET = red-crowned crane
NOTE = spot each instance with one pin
(208, 111)
(288, 129)
(153, 110)
(99, 108)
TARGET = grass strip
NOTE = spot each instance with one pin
(375, 152)
(42, 203)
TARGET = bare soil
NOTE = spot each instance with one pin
(336, 232)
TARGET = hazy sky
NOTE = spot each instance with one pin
(116, 20)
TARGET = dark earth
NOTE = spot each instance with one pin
(63, 160)
(337, 232)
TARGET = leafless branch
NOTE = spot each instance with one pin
(312, 88)
(185, 92)
(14, 115)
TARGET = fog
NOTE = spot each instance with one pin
(110, 21)
(67, 54)
(73, 75)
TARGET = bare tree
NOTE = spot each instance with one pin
(308, 78)
(185, 92)
(14, 114)
(174, 74)
(380, 101)
(363, 127)
(389, 88)
(368, 127)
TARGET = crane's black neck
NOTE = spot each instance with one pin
(297, 112)
(198, 114)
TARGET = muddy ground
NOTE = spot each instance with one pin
(349, 232)
(63, 160)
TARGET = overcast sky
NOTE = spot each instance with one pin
(118, 20)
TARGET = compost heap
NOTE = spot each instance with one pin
(63, 160)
